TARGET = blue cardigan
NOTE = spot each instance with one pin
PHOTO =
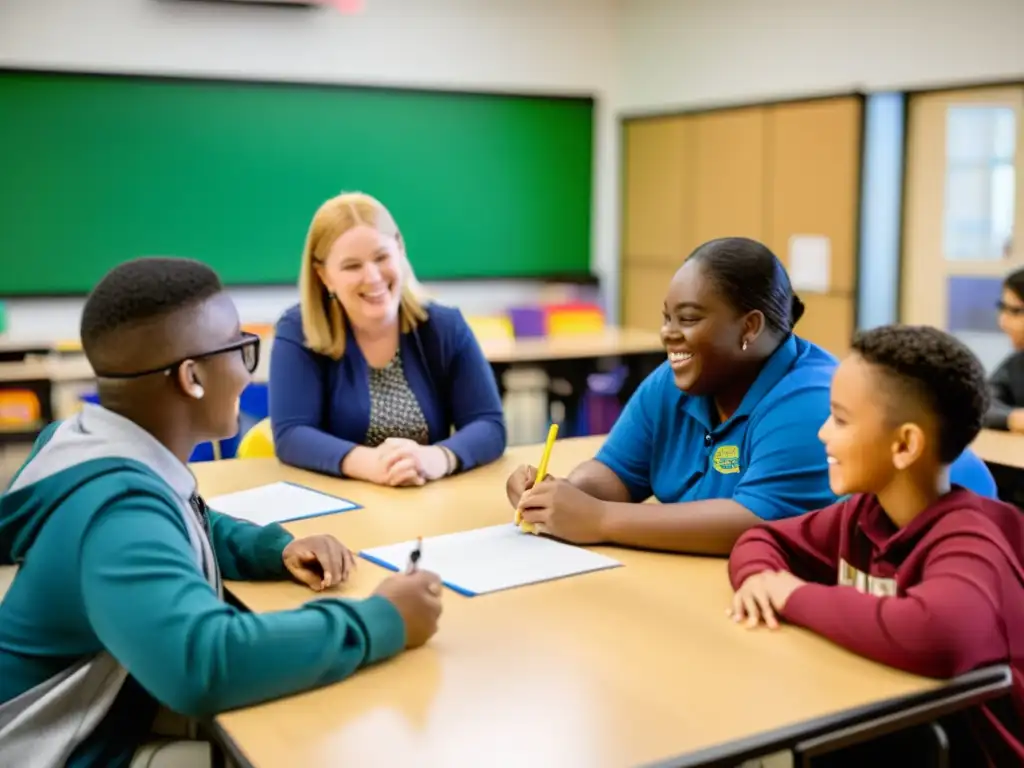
(320, 408)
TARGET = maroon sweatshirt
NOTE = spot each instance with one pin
(938, 598)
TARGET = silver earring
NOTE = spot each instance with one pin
(330, 295)
(744, 346)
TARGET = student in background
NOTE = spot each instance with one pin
(1007, 382)
(911, 571)
(117, 606)
(724, 433)
(368, 380)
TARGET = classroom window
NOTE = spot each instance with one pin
(980, 186)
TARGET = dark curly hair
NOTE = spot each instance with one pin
(935, 369)
(751, 277)
(1015, 282)
(142, 289)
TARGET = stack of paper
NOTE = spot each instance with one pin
(278, 503)
(491, 559)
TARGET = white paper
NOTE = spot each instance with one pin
(810, 263)
(278, 503)
(490, 559)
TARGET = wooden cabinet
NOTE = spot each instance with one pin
(769, 173)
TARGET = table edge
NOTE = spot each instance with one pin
(221, 738)
(960, 692)
(969, 689)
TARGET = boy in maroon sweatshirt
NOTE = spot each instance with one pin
(908, 570)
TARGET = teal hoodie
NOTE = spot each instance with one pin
(117, 605)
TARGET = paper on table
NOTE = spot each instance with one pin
(810, 263)
(491, 559)
(277, 503)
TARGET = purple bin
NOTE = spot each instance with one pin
(601, 401)
(528, 322)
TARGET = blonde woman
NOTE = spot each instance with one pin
(367, 379)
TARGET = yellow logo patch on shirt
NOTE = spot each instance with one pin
(726, 459)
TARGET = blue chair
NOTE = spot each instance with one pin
(202, 452)
(225, 449)
(255, 401)
(972, 473)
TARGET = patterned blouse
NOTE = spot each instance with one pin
(394, 410)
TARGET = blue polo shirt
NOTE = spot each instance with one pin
(766, 456)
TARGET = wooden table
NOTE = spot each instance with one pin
(614, 668)
(611, 342)
(60, 379)
(569, 360)
(1003, 448)
(58, 369)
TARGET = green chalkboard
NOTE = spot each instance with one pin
(96, 169)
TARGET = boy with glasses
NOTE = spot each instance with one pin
(118, 605)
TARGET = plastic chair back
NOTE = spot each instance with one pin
(258, 442)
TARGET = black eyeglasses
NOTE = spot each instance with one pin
(1010, 309)
(248, 346)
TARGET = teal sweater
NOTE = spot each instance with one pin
(94, 519)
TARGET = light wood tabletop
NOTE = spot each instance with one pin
(613, 668)
(995, 447)
(57, 369)
(607, 343)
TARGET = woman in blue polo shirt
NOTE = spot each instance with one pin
(724, 433)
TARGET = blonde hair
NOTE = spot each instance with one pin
(323, 321)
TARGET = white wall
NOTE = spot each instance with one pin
(634, 55)
(695, 53)
(523, 46)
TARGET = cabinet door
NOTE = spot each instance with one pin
(730, 175)
(658, 191)
(643, 291)
(814, 155)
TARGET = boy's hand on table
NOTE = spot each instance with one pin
(318, 561)
(417, 598)
(762, 596)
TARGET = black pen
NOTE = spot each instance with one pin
(414, 556)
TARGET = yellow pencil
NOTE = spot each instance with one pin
(542, 471)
